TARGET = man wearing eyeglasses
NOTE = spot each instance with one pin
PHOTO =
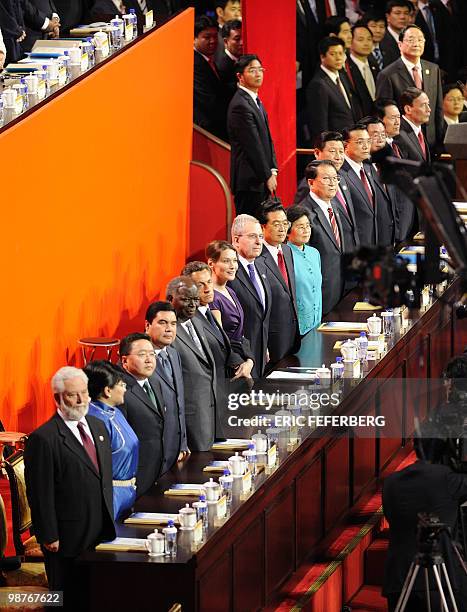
(144, 406)
(284, 336)
(411, 71)
(327, 234)
(253, 164)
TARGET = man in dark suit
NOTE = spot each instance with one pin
(283, 334)
(161, 326)
(232, 49)
(362, 69)
(198, 366)
(398, 14)
(423, 487)
(327, 235)
(226, 10)
(376, 22)
(68, 471)
(308, 35)
(13, 29)
(387, 110)
(252, 287)
(41, 20)
(360, 183)
(143, 407)
(329, 98)
(72, 13)
(253, 164)
(209, 92)
(410, 71)
(387, 217)
(411, 140)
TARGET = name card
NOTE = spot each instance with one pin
(246, 482)
(149, 19)
(41, 90)
(19, 104)
(198, 532)
(221, 507)
(272, 456)
(128, 31)
(105, 48)
(84, 62)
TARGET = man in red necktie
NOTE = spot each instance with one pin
(68, 470)
(283, 337)
(417, 111)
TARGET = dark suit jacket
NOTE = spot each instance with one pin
(256, 322)
(308, 36)
(209, 98)
(199, 382)
(252, 149)
(12, 26)
(394, 79)
(359, 87)
(420, 487)
(389, 49)
(365, 213)
(322, 238)
(387, 218)
(348, 218)
(226, 68)
(69, 500)
(72, 13)
(408, 143)
(35, 12)
(327, 108)
(174, 434)
(283, 335)
(147, 421)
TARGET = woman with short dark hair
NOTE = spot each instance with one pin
(107, 391)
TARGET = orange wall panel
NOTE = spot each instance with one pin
(95, 196)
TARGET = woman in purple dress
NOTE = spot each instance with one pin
(226, 307)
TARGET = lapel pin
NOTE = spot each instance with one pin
(427, 71)
(101, 438)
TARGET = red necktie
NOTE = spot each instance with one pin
(366, 186)
(281, 266)
(88, 446)
(421, 140)
(341, 199)
(417, 78)
(327, 8)
(335, 229)
(213, 66)
(395, 148)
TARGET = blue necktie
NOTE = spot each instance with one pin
(163, 363)
(378, 57)
(254, 281)
(261, 109)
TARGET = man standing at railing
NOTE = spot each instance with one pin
(253, 164)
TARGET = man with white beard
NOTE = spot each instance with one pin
(68, 470)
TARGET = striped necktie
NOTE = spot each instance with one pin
(335, 229)
(143, 6)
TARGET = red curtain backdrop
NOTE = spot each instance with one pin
(94, 213)
(269, 31)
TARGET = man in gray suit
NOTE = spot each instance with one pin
(410, 71)
(161, 326)
(327, 235)
(198, 365)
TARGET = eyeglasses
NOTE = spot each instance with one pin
(121, 384)
(328, 180)
(455, 99)
(379, 136)
(144, 354)
(279, 224)
(414, 41)
(302, 228)
(255, 70)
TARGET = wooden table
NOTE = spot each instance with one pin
(242, 563)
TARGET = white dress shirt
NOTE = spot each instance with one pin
(411, 66)
(416, 128)
(334, 76)
(73, 427)
(366, 73)
(274, 250)
(323, 205)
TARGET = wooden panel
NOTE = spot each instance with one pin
(308, 503)
(440, 354)
(391, 406)
(364, 463)
(336, 481)
(214, 586)
(280, 540)
(416, 384)
(248, 568)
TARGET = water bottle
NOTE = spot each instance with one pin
(362, 343)
(251, 459)
(46, 79)
(226, 482)
(170, 538)
(135, 23)
(202, 510)
(91, 53)
(337, 370)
